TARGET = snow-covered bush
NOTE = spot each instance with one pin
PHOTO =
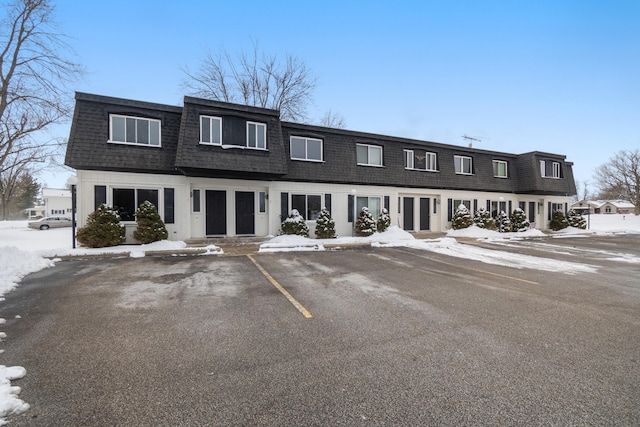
(519, 221)
(365, 224)
(483, 219)
(384, 221)
(295, 224)
(325, 225)
(150, 228)
(576, 220)
(503, 222)
(461, 218)
(103, 229)
(558, 221)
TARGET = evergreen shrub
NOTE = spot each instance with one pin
(365, 224)
(384, 221)
(103, 229)
(519, 221)
(150, 228)
(325, 225)
(576, 220)
(558, 221)
(461, 218)
(483, 219)
(503, 222)
(295, 224)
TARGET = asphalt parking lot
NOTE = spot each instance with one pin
(367, 336)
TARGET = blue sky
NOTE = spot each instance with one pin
(555, 76)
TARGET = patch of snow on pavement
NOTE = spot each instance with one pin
(449, 246)
(9, 401)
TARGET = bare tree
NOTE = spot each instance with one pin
(621, 176)
(35, 76)
(333, 120)
(15, 182)
(256, 79)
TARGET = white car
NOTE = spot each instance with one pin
(50, 222)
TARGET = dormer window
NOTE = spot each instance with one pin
(257, 135)
(134, 130)
(210, 130)
(463, 165)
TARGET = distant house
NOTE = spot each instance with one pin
(218, 169)
(604, 207)
(35, 212)
(56, 201)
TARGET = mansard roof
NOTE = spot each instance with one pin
(182, 153)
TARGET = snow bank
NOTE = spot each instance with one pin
(9, 401)
(476, 232)
(291, 243)
(450, 247)
(15, 264)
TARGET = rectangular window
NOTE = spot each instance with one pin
(431, 162)
(306, 149)
(550, 169)
(210, 130)
(499, 169)
(262, 202)
(369, 155)
(99, 196)
(420, 160)
(463, 164)
(196, 200)
(169, 206)
(134, 130)
(127, 200)
(374, 204)
(408, 159)
(257, 135)
(309, 206)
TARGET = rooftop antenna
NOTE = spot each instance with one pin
(470, 139)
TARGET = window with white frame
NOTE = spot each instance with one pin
(309, 149)
(257, 135)
(549, 169)
(373, 203)
(309, 205)
(420, 160)
(262, 202)
(210, 130)
(127, 200)
(463, 165)
(369, 155)
(499, 169)
(134, 130)
(408, 159)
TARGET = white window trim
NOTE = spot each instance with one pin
(427, 161)
(462, 172)
(429, 155)
(369, 146)
(555, 170)
(306, 149)
(211, 118)
(264, 127)
(506, 170)
(408, 159)
(111, 141)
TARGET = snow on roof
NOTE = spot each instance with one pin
(620, 204)
(55, 192)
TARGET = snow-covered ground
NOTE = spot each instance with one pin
(23, 251)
